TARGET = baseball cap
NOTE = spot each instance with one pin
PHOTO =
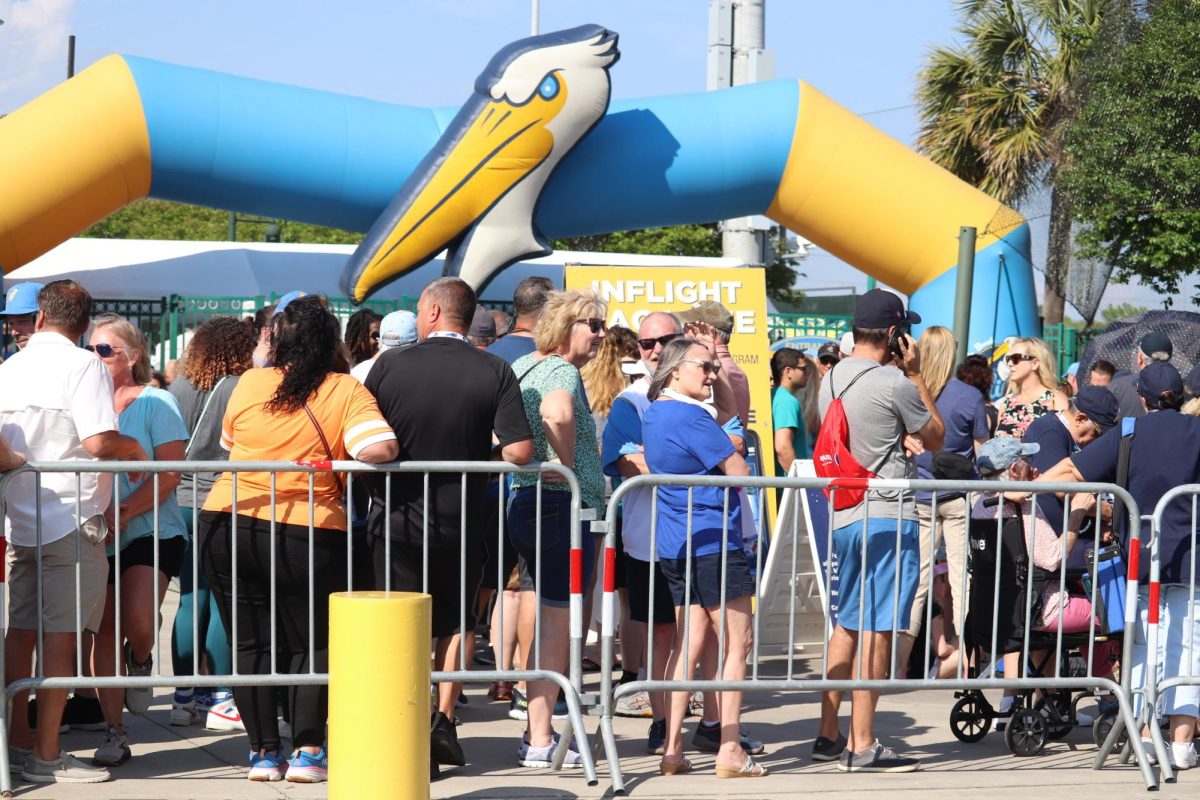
(633, 368)
(829, 350)
(1157, 378)
(879, 309)
(483, 324)
(1192, 382)
(397, 329)
(847, 344)
(997, 455)
(1073, 369)
(22, 298)
(1099, 404)
(711, 313)
(1155, 342)
(295, 294)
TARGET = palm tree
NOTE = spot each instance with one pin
(994, 106)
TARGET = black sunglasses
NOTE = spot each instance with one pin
(648, 344)
(1017, 358)
(594, 324)
(102, 350)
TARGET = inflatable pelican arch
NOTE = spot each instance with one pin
(537, 152)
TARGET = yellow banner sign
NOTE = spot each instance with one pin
(634, 292)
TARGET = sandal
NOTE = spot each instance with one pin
(674, 768)
(750, 769)
(590, 665)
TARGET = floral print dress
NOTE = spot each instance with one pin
(1015, 416)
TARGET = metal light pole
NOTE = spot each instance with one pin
(533, 23)
(963, 286)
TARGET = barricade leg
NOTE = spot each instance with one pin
(607, 648)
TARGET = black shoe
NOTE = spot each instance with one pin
(435, 772)
(827, 749)
(84, 714)
(443, 742)
(32, 717)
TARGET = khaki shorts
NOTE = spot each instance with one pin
(58, 585)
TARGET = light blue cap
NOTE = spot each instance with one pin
(997, 455)
(397, 329)
(22, 299)
(287, 298)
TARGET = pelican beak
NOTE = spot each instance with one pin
(490, 147)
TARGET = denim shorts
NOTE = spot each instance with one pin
(706, 579)
(869, 587)
(555, 551)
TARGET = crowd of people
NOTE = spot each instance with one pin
(553, 383)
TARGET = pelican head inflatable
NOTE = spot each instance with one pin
(476, 190)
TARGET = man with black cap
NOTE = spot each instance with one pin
(828, 355)
(891, 417)
(1164, 453)
(1153, 347)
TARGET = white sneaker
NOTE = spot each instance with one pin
(184, 714)
(64, 769)
(634, 705)
(224, 715)
(1148, 749)
(1183, 755)
(114, 751)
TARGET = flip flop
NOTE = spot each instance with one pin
(750, 769)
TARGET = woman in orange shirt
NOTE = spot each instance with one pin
(300, 409)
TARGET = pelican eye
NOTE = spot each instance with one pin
(549, 87)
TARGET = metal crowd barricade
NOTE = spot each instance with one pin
(571, 684)
(903, 491)
(1155, 682)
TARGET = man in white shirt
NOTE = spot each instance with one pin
(56, 404)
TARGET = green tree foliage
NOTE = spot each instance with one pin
(162, 220)
(1119, 312)
(992, 107)
(1134, 155)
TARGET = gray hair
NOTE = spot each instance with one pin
(674, 354)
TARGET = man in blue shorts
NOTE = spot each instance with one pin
(891, 417)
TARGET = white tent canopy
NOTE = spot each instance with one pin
(128, 269)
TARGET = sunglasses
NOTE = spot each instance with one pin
(648, 344)
(102, 350)
(594, 325)
(1017, 358)
(709, 367)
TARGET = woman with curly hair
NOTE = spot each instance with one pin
(604, 376)
(300, 409)
(219, 352)
(362, 335)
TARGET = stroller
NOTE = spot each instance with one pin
(1037, 716)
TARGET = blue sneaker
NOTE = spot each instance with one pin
(269, 767)
(305, 767)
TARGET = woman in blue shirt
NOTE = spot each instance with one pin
(681, 437)
(152, 417)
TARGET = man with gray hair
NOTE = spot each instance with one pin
(1154, 346)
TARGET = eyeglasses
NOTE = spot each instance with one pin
(102, 350)
(801, 367)
(709, 367)
(648, 344)
(594, 325)
(1017, 358)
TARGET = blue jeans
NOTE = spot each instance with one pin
(555, 551)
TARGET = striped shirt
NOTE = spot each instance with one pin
(349, 419)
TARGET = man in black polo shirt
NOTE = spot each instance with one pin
(444, 398)
(1088, 415)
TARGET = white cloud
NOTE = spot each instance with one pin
(33, 48)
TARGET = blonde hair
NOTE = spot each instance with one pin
(938, 353)
(603, 378)
(560, 313)
(134, 339)
(809, 404)
(1047, 370)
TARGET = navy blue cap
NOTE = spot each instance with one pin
(880, 309)
(1099, 404)
(1158, 378)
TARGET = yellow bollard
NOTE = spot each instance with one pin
(379, 695)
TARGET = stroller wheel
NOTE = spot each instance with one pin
(1025, 733)
(970, 719)
(1102, 727)
(1058, 724)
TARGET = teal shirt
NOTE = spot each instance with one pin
(786, 413)
(153, 419)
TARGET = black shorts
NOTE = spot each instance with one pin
(140, 553)
(638, 591)
(445, 586)
(706, 578)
